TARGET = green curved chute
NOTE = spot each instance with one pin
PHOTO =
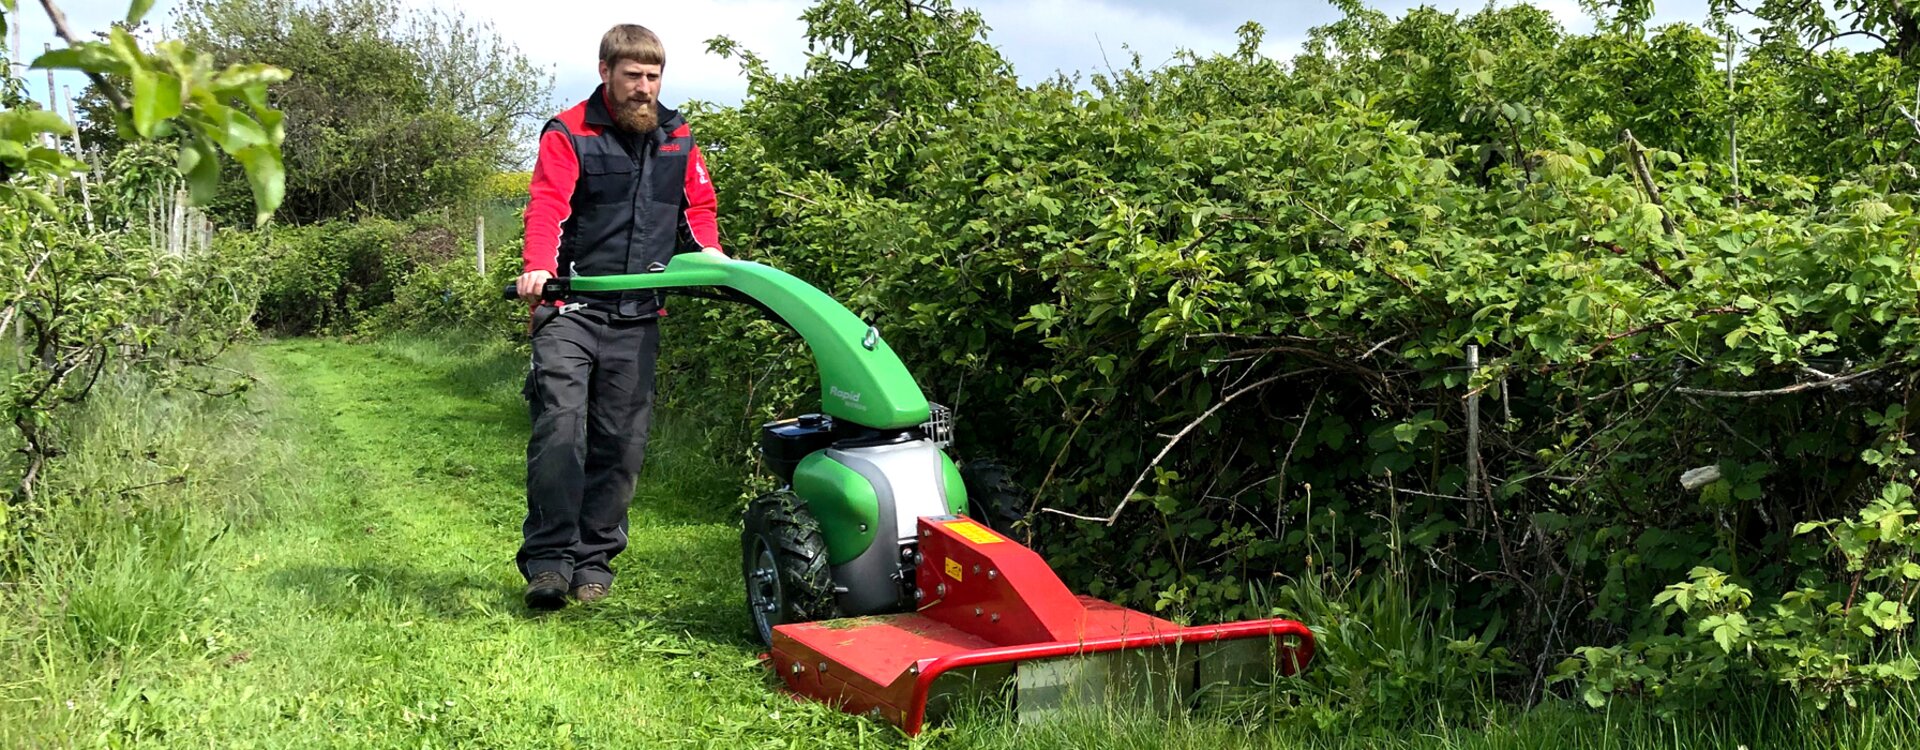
(861, 380)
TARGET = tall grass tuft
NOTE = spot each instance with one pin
(111, 568)
(134, 590)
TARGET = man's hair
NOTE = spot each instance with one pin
(634, 42)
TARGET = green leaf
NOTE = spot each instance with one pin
(242, 131)
(156, 99)
(201, 166)
(22, 124)
(12, 154)
(138, 11)
(268, 178)
(51, 160)
(124, 47)
(249, 77)
(40, 200)
(88, 56)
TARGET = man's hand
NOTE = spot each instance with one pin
(531, 284)
(714, 251)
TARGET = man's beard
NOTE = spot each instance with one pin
(637, 117)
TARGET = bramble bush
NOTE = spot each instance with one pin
(1227, 303)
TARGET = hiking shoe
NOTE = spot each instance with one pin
(546, 591)
(589, 593)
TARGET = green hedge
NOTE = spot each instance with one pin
(1228, 303)
(339, 276)
(1284, 267)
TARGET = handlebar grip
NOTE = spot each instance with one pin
(556, 288)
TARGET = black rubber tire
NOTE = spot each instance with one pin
(995, 499)
(802, 582)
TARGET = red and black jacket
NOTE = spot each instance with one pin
(606, 201)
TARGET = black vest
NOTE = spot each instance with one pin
(629, 201)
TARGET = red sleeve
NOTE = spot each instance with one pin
(549, 201)
(702, 216)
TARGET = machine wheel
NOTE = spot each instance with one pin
(995, 499)
(783, 557)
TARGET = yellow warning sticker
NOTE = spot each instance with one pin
(973, 532)
(953, 568)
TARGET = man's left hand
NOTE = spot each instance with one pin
(715, 252)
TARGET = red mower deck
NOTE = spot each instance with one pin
(993, 613)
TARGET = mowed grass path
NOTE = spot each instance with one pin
(382, 609)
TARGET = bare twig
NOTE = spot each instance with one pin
(1381, 345)
(1164, 450)
(798, 197)
(1311, 354)
(1253, 337)
(891, 116)
(1612, 338)
(1807, 386)
(60, 27)
(1911, 118)
(6, 319)
(1762, 450)
(1058, 457)
(1391, 488)
(1301, 429)
(1638, 154)
(1844, 34)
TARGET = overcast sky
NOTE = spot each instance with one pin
(1040, 37)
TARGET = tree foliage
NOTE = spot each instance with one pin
(81, 301)
(391, 111)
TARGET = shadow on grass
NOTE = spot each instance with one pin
(680, 484)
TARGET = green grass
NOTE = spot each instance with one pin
(333, 569)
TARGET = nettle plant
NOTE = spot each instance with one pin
(85, 301)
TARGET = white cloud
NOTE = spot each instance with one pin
(567, 39)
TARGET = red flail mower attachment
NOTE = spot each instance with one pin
(993, 616)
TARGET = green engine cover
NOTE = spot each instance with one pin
(956, 490)
(845, 504)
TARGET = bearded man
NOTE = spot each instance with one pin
(619, 187)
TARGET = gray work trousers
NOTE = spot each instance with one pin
(590, 394)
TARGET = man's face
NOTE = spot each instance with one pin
(632, 90)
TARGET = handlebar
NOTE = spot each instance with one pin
(556, 289)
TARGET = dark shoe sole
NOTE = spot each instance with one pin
(546, 600)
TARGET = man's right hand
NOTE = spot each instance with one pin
(531, 284)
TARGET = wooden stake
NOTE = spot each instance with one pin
(1473, 423)
(480, 243)
(13, 50)
(80, 152)
(177, 227)
(1733, 120)
(51, 107)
